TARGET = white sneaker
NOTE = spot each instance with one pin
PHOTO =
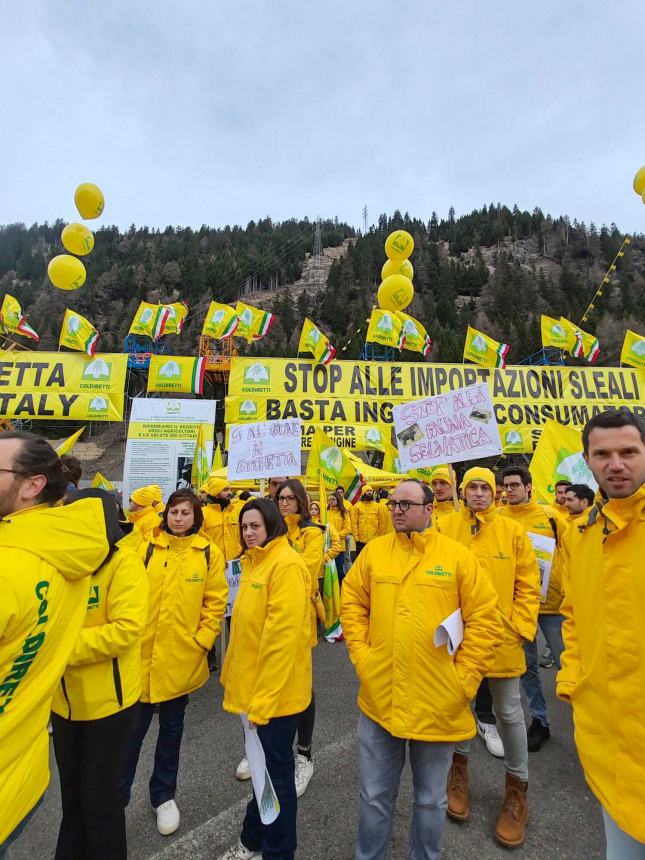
(167, 817)
(243, 770)
(304, 772)
(491, 738)
(239, 852)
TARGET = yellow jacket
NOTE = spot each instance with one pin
(506, 555)
(543, 520)
(267, 668)
(395, 595)
(343, 525)
(336, 546)
(561, 509)
(103, 674)
(46, 557)
(187, 601)
(146, 520)
(603, 663)
(441, 509)
(222, 527)
(308, 540)
(370, 520)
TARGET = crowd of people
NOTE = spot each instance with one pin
(107, 618)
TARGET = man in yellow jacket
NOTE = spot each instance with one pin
(443, 493)
(506, 555)
(400, 589)
(145, 510)
(369, 519)
(603, 663)
(221, 517)
(542, 520)
(47, 553)
(559, 503)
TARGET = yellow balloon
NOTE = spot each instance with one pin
(643, 196)
(399, 245)
(395, 293)
(66, 273)
(393, 267)
(77, 239)
(639, 181)
(89, 200)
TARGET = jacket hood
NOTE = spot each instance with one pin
(72, 538)
(147, 495)
(213, 485)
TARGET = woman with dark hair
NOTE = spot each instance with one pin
(340, 519)
(267, 669)
(188, 593)
(308, 540)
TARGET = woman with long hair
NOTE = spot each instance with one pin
(188, 594)
(340, 519)
(267, 668)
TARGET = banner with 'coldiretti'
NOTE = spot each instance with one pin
(39, 385)
(177, 373)
(524, 397)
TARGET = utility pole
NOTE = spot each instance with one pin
(364, 213)
(317, 262)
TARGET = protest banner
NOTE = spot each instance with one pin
(357, 437)
(68, 387)
(161, 442)
(452, 427)
(233, 574)
(266, 449)
(176, 373)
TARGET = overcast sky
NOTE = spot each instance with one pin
(220, 112)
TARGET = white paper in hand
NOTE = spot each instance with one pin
(450, 632)
(265, 795)
(544, 549)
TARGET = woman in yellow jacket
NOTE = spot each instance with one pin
(188, 593)
(144, 511)
(267, 669)
(95, 709)
(341, 519)
(308, 540)
(336, 545)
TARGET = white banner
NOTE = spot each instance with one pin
(161, 442)
(450, 428)
(233, 574)
(267, 449)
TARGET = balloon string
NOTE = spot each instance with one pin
(358, 330)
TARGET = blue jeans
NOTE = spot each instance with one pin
(163, 782)
(340, 567)
(551, 627)
(381, 760)
(620, 845)
(276, 841)
(15, 833)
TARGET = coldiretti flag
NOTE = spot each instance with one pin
(558, 456)
(554, 333)
(332, 630)
(78, 333)
(633, 351)
(385, 327)
(314, 341)
(176, 373)
(12, 319)
(332, 465)
(221, 321)
(218, 462)
(517, 440)
(590, 346)
(415, 337)
(67, 444)
(574, 339)
(177, 313)
(391, 460)
(102, 483)
(254, 322)
(200, 469)
(150, 320)
(482, 349)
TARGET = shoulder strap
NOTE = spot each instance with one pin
(554, 527)
(207, 555)
(149, 551)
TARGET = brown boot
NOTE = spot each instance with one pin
(511, 824)
(458, 808)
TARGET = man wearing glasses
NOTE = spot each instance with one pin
(402, 586)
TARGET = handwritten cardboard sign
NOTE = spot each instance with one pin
(266, 449)
(450, 428)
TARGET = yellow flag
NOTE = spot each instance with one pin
(558, 456)
(221, 321)
(331, 465)
(484, 350)
(150, 320)
(13, 320)
(78, 333)
(67, 444)
(574, 340)
(177, 313)
(218, 462)
(386, 328)
(415, 337)
(102, 483)
(590, 346)
(391, 461)
(254, 322)
(633, 351)
(554, 333)
(178, 373)
(200, 469)
(314, 341)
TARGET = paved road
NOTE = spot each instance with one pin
(565, 820)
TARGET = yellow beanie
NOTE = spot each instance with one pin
(146, 496)
(441, 473)
(367, 488)
(477, 473)
(212, 486)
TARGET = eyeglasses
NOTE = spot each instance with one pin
(15, 472)
(286, 499)
(404, 506)
(514, 485)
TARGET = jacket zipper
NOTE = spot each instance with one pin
(116, 673)
(69, 704)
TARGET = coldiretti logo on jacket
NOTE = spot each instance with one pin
(30, 648)
(439, 571)
(196, 577)
(500, 555)
(95, 597)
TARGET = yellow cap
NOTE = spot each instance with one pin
(477, 473)
(212, 486)
(145, 496)
(441, 473)
(367, 488)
